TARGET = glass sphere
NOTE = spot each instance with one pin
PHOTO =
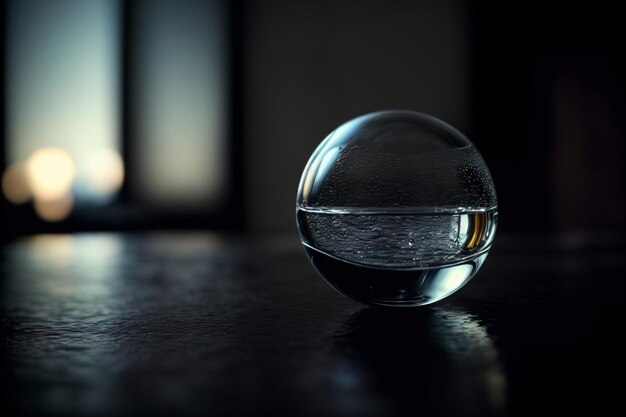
(396, 208)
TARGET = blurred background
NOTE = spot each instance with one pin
(201, 114)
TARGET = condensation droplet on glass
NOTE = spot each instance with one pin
(396, 208)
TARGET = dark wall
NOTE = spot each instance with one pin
(548, 113)
(538, 87)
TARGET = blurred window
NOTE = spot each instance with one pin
(104, 95)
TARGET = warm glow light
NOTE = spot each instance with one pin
(105, 172)
(54, 210)
(51, 174)
(15, 184)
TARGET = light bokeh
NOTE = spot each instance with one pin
(54, 210)
(15, 183)
(103, 174)
(50, 173)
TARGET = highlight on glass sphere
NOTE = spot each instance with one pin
(396, 208)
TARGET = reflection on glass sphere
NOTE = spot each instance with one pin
(396, 208)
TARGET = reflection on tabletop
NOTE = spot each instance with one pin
(198, 323)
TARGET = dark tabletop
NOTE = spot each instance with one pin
(180, 324)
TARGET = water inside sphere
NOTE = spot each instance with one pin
(396, 208)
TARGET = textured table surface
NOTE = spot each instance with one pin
(189, 324)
